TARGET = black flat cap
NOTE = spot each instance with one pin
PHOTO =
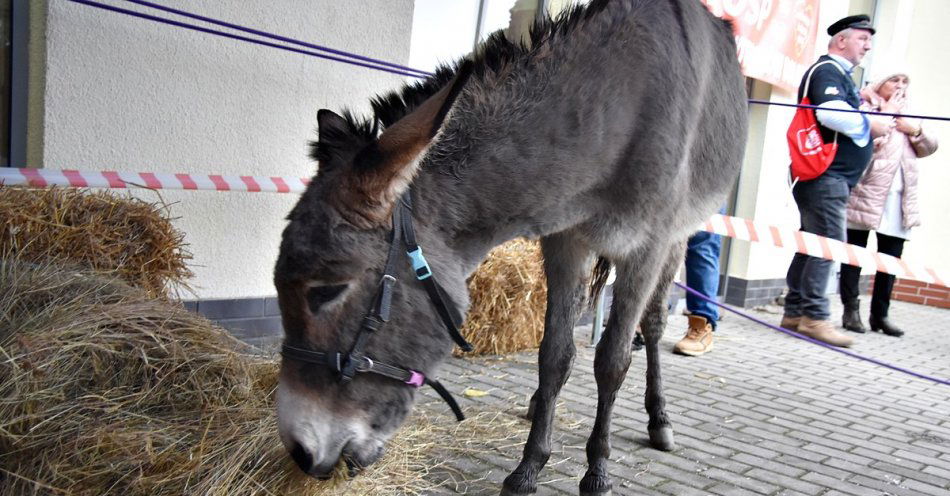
(860, 21)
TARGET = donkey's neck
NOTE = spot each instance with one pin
(506, 190)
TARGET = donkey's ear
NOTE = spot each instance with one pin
(336, 141)
(383, 170)
(330, 124)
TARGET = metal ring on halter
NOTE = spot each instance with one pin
(365, 365)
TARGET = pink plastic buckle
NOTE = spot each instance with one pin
(416, 379)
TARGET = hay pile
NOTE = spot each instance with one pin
(104, 390)
(101, 231)
(508, 294)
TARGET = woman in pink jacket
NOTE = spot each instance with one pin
(885, 199)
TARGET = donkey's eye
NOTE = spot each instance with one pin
(318, 296)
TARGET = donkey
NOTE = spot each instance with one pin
(610, 136)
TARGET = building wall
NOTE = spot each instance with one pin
(128, 94)
(909, 34)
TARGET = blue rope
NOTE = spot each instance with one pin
(854, 111)
(277, 37)
(814, 341)
(241, 38)
(371, 63)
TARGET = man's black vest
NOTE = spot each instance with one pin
(831, 82)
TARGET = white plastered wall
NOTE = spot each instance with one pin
(133, 95)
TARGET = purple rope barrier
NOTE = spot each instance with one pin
(370, 63)
(240, 38)
(853, 111)
(812, 340)
(277, 37)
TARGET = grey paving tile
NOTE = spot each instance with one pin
(917, 475)
(888, 458)
(886, 485)
(724, 489)
(842, 486)
(783, 480)
(742, 481)
(924, 488)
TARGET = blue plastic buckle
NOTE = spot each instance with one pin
(419, 264)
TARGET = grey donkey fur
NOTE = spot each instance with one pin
(612, 136)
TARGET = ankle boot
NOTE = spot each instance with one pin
(851, 318)
(884, 325)
(698, 339)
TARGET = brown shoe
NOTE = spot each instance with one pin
(824, 330)
(698, 339)
(790, 323)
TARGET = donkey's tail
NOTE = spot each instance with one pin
(598, 280)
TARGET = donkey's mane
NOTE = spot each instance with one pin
(494, 59)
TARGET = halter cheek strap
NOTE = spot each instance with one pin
(355, 361)
(447, 312)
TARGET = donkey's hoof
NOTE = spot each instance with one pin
(595, 484)
(661, 438)
(518, 483)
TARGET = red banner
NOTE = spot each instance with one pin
(775, 38)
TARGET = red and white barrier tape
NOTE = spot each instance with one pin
(42, 178)
(733, 227)
(818, 246)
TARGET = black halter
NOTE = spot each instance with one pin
(355, 361)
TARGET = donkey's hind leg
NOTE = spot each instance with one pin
(652, 325)
(637, 275)
(567, 265)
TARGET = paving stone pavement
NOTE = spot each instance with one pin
(763, 413)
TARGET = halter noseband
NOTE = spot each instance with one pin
(355, 361)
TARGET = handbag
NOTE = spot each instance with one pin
(810, 155)
(923, 147)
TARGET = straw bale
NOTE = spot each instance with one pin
(104, 390)
(100, 230)
(508, 300)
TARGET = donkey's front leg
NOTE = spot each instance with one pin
(637, 277)
(567, 265)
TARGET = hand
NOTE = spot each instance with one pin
(907, 126)
(881, 126)
(879, 143)
(893, 106)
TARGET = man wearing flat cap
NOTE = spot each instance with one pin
(822, 201)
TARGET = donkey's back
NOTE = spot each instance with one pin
(634, 105)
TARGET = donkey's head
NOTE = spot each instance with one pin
(332, 293)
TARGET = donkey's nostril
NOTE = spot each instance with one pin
(302, 457)
(306, 463)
